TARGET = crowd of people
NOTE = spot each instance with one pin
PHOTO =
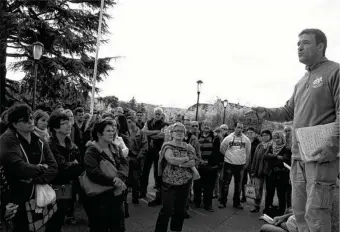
(97, 159)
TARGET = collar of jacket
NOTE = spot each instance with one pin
(68, 141)
(312, 67)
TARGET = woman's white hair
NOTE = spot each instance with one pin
(158, 109)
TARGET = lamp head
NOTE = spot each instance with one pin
(37, 50)
(225, 103)
(199, 83)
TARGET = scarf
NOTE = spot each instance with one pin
(266, 144)
(42, 133)
(278, 147)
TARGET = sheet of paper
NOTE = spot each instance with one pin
(311, 138)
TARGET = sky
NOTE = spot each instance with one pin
(243, 51)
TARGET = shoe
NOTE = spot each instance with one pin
(238, 206)
(71, 221)
(255, 210)
(197, 206)
(209, 209)
(186, 215)
(154, 203)
(243, 200)
(135, 201)
(222, 206)
(142, 195)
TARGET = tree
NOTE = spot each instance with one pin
(133, 104)
(68, 30)
(111, 101)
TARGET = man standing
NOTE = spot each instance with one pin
(315, 101)
(288, 136)
(138, 150)
(140, 124)
(154, 129)
(236, 149)
(207, 168)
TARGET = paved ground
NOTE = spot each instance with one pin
(143, 218)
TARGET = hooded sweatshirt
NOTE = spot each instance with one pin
(236, 149)
(315, 101)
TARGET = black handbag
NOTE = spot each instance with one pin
(63, 192)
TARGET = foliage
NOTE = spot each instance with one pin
(109, 101)
(68, 32)
(133, 104)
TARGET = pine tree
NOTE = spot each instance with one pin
(68, 30)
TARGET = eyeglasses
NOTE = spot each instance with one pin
(26, 120)
(65, 123)
(178, 131)
(194, 126)
(287, 130)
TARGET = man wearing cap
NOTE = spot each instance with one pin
(138, 151)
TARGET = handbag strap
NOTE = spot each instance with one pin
(23, 151)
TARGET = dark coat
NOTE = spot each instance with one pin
(20, 174)
(91, 163)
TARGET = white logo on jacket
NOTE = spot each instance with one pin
(317, 82)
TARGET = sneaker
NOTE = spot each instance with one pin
(243, 200)
(154, 203)
(255, 209)
(222, 206)
(209, 209)
(238, 206)
(142, 195)
(186, 215)
(197, 206)
(71, 221)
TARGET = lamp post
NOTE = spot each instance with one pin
(37, 52)
(199, 83)
(225, 104)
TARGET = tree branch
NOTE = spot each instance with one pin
(16, 55)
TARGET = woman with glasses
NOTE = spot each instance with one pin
(67, 156)
(176, 161)
(27, 160)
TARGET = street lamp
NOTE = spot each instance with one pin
(37, 52)
(225, 104)
(199, 83)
